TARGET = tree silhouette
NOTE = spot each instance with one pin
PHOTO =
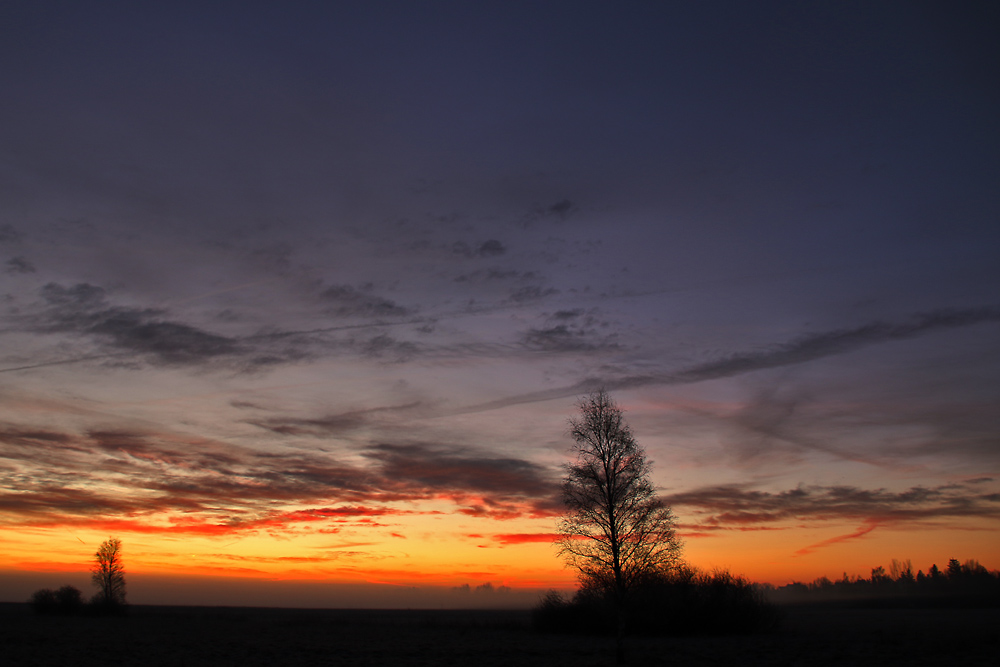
(964, 584)
(616, 532)
(108, 574)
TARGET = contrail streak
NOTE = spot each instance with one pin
(62, 362)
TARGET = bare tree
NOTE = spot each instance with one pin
(108, 574)
(616, 532)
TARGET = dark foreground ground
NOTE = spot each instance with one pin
(193, 636)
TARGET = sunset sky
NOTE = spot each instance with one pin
(296, 299)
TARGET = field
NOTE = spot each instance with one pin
(192, 636)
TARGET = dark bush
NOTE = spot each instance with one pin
(692, 602)
(44, 601)
(101, 606)
(67, 600)
(586, 614)
(684, 602)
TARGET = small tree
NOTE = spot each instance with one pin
(616, 532)
(108, 574)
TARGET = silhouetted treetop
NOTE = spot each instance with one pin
(108, 574)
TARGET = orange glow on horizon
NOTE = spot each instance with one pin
(435, 551)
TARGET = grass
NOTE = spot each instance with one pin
(166, 636)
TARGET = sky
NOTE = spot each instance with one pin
(297, 299)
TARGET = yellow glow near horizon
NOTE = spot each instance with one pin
(442, 551)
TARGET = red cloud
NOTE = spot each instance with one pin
(136, 481)
(208, 526)
(525, 538)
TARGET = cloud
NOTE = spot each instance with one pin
(809, 347)
(131, 333)
(165, 483)
(565, 338)
(525, 538)
(735, 505)
(865, 529)
(134, 334)
(78, 298)
(168, 342)
(496, 275)
(348, 301)
(16, 265)
(384, 346)
(30, 438)
(570, 331)
(114, 474)
(530, 293)
(270, 522)
(9, 235)
(59, 362)
(84, 309)
(558, 211)
(840, 341)
(561, 208)
(775, 427)
(489, 248)
(334, 424)
(500, 483)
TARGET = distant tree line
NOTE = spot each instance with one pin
(959, 584)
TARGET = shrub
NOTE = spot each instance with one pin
(69, 599)
(66, 600)
(683, 602)
(44, 601)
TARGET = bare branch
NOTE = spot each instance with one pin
(108, 573)
(616, 531)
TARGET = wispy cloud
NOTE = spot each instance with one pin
(524, 538)
(864, 530)
(349, 301)
(530, 293)
(496, 275)
(839, 341)
(485, 484)
(334, 424)
(735, 505)
(488, 248)
(84, 309)
(85, 313)
(19, 265)
(158, 483)
(571, 330)
(558, 211)
(564, 338)
(803, 349)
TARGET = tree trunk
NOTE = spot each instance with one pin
(620, 633)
